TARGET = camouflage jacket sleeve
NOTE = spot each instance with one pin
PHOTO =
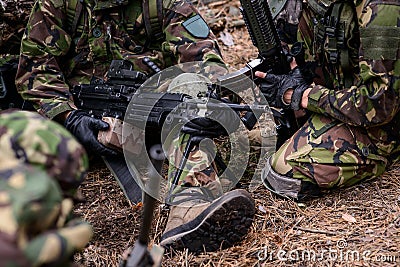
(375, 99)
(189, 38)
(39, 78)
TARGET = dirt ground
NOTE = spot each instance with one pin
(357, 226)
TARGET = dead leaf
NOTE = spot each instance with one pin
(348, 218)
(369, 231)
(262, 209)
(226, 38)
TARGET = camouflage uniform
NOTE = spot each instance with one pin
(54, 59)
(41, 166)
(354, 130)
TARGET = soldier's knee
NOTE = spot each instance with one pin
(287, 186)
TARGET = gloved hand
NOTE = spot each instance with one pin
(274, 88)
(204, 127)
(85, 129)
(211, 126)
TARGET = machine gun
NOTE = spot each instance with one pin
(111, 98)
(272, 58)
(122, 97)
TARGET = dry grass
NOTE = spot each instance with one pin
(340, 228)
(357, 226)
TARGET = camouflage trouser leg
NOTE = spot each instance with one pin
(199, 169)
(329, 153)
(30, 138)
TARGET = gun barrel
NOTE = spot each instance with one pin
(259, 22)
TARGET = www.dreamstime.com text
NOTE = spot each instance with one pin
(340, 253)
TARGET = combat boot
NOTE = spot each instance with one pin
(200, 222)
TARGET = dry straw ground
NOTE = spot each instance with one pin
(357, 226)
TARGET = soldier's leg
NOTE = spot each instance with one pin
(324, 153)
(202, 216)
(32, 139)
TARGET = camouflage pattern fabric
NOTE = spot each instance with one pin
(41, 166)
(36, 227)
(114, 138)
(7, 58)
(354, 132)
(199, 169)
(53, 60)
(29, 138)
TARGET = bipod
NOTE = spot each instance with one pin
(140, 256)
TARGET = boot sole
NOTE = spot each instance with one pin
(219, 226)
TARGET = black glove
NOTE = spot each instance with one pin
(203, 127)
(210, 126)
(85, 129)
(275, 86)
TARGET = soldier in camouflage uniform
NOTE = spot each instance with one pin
(62, 48)
(41, 166)
(353, 132)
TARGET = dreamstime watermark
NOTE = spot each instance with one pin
(339, 253)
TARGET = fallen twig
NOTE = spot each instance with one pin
(316, 231)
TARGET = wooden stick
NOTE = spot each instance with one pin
(317, 231)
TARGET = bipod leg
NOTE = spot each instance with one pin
(140, 256)
(189, 146)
